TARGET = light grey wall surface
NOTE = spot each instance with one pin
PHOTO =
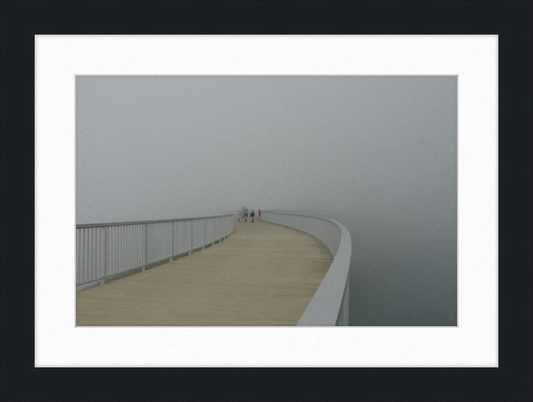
(378, 154)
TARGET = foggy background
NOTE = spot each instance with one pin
(378, 154)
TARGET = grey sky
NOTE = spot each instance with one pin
(378, 154)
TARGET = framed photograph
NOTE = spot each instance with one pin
(428, 125)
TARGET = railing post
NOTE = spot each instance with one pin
(105, 254)
(172, 253)
(190, 251)
(205, 234)
(145, 246)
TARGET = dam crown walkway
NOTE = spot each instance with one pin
(263, 274)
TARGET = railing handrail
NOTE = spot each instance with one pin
(95, 225)
(329, 305)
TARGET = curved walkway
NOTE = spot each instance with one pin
(263, 274)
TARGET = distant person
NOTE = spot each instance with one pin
(252, 215)
(246, 214)
(259, 213)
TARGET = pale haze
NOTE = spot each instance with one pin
(378, 154)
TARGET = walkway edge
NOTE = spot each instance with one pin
(330, 304)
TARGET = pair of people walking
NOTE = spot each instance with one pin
(244, 214)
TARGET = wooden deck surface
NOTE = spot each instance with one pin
(263, 274)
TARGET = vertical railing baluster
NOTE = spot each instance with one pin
(122, 248)
(93, 274)
(190, 251)
(105, 253)
(145, 246)
(77, 257)
(173, 225)
(85, 256)
(82, 257)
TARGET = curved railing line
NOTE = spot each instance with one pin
(330, 304)
(93, 225)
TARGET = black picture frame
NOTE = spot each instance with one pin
(510, 20)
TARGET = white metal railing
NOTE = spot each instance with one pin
(107, 251)
(330, 303)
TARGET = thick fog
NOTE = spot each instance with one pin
(378, 154)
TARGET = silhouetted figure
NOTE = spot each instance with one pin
(252, 215)
(259, 213)
(246, 214)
